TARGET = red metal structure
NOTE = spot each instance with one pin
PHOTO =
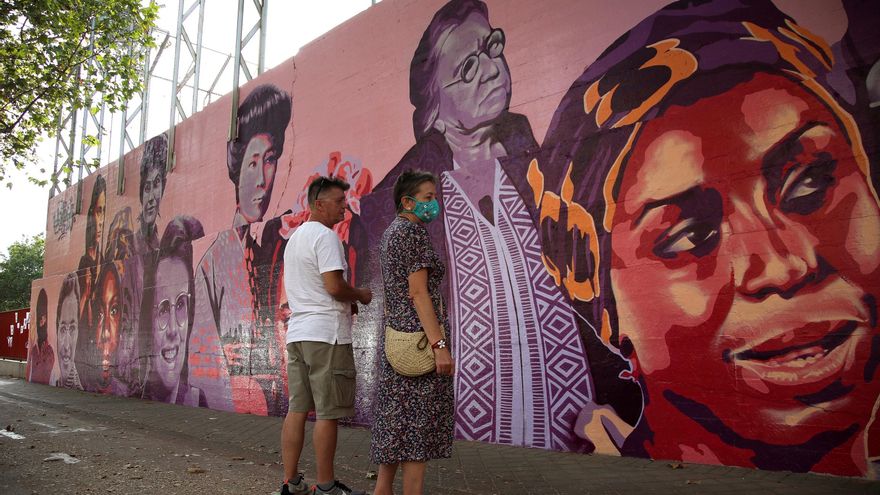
(14, 328)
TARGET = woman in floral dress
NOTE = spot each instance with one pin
(414, 416)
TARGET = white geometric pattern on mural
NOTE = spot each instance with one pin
(526, 373)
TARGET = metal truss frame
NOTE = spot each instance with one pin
(240, 64)
(74, 126)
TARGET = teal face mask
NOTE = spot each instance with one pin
(425, 210)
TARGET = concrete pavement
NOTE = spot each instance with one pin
(475, 468)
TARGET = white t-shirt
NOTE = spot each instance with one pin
(314, 249)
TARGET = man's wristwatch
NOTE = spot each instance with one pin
(440, 344)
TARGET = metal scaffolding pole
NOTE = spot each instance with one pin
(240, 65)
(140, 111)
(264, 17)
(188, 71)
(198, 60)
(194, 70)
(66, 125)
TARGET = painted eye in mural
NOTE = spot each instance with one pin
(690, 235)
(805, 186)
(114, 310)
(495, 43)
(493, 46)
(469, 68)
(163, 314)
(180, 308)
(270, 160)
(151, 185)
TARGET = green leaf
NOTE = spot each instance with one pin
(18, 268)
(43, 47)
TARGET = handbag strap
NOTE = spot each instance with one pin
(442, 328)
(385, 308)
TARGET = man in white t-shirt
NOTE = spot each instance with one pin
(320, 359)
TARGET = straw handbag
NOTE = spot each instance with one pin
(410, 353)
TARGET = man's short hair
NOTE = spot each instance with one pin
(322, 184)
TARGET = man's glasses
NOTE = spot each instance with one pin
(180, 310)
(493, 47)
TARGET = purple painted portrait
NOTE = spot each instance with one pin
(526, 367)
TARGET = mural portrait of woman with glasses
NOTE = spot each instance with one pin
(167, 315)
(505, 310)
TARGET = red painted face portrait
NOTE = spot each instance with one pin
(109, 316)
(744, 265)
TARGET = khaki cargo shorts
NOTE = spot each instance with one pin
(321, 377)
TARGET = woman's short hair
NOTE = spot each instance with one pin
(266, 110)
(407, 184)
(423, 86)
(91, 225)
(155, 158)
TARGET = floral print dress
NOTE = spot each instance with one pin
(413, 416)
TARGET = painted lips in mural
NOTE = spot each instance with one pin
(686, 267)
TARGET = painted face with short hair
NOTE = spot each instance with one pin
(256, 177)
(152, 195)
(472, 74)
(68, 328)
(170, 322)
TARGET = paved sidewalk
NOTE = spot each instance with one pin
(475, 468)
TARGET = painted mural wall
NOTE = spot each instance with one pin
(661, 226)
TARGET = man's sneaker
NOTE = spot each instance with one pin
(338, 489)
(296, 487)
